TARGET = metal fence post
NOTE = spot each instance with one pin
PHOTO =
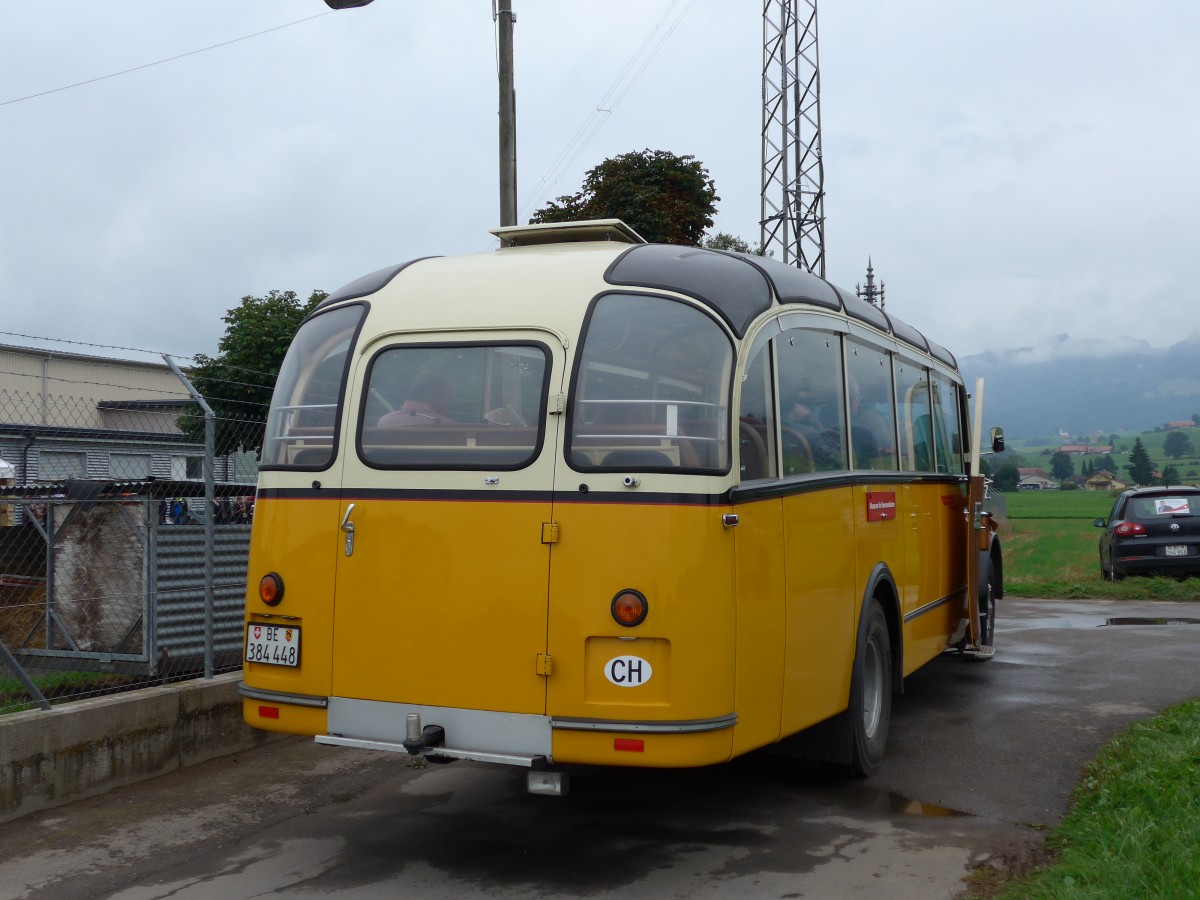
(209, 515)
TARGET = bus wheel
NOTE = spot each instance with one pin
(987, 613)
(871, 694)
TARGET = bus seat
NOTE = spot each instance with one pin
(638, 459)
(753, 452)
(311, 456)
(921, 441)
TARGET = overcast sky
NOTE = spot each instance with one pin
(1014, 170)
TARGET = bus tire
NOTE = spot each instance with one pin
(871, 694)
(987, 612)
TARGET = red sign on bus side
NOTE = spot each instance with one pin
(881, 505)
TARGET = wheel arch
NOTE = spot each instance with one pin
(881, 586)
(994, 556)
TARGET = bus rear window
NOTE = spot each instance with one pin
(302, 423)
(468, 406)
(651, 391)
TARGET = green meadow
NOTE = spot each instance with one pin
(1051, 549)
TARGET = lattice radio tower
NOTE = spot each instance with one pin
(793, 180)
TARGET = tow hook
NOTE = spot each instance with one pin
(419, 741)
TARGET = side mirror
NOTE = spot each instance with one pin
(1100, 523)
(997, 440)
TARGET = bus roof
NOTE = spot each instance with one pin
(533, 275)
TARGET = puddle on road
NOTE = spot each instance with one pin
(907, 807)
(1140, 620)
(1072, 622)
(1045, 621)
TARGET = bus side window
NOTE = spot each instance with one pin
(756, 419)
(812, 408)
(912, 411)
(872, 406)
(946, 424)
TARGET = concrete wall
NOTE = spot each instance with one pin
(52, 757)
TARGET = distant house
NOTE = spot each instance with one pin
(1182, 423)
(1037, 483)
(1104, 481)
(1085, 449)
(73, 417)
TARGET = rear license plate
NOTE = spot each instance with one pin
(1175, 550)
(275, 645)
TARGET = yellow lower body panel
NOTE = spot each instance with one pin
(658, 751)
(284, 717)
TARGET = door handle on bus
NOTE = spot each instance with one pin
(348, 527)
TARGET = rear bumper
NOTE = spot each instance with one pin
(1168, 565)
(513, 738)
(529, 740)
(283, 712)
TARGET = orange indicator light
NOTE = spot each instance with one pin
(629, 608)
(270, 589)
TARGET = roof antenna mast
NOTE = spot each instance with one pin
(792, 218)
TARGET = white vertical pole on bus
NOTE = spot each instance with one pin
(977, 428)
(974, 513)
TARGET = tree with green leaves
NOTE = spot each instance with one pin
(1140, 466)
(1007, 478)
(1061, 465)
(666, 198)
(724, 241)
(1170, 476)
(1177, 444)
(237, 383)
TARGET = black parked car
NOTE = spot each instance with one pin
(1152, 531)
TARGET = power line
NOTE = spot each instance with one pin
(617, 91)
(67, 87)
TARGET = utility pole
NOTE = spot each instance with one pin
(508, 115)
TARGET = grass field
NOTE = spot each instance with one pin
(1051, 549)
(1132, 828)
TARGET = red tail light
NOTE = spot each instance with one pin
(1130, 529)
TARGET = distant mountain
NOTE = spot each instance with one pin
(1085, 385)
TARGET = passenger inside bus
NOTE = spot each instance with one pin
(863, 440)
(805, 417)
(427, 404)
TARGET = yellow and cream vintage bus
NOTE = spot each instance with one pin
(585, 499)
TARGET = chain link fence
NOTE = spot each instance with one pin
(125, 507)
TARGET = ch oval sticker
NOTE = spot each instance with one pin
(628, 671)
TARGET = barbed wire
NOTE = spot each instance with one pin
(194, 360)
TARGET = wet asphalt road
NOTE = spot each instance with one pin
(981, 758)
